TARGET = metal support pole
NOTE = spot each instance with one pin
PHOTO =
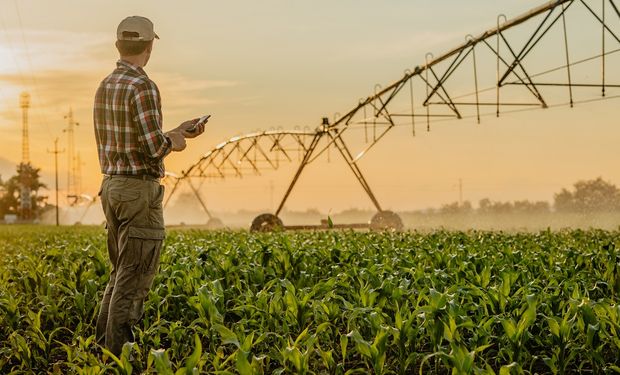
(603, 47)
(56, 152)
(498, 58)
(202, 203)
(473, 51)
(365, 125)
(428, 108)
(412, 105)
(304, 162)
(346, 155)
(570, 87)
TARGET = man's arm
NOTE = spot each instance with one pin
(177, 140)
(146, 112)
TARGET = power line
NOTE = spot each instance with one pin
(41, 116)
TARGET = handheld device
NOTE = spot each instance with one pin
(201, 120)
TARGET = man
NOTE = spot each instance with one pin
(132, 147)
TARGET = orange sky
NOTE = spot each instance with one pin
(285, 64)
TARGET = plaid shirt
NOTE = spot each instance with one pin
(128, 123)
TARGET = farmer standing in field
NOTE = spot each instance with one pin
(132, 147)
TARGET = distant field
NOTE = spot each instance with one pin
(421, 221)
(321, 302)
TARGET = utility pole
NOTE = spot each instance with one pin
(460, 192)
(56, 152)
(71, 185)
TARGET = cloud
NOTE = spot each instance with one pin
(62, 69)
(58, 85)
(407, 46)
(182, 95)
(180, 83)
(41, 49)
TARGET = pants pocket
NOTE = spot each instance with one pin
(147, 244)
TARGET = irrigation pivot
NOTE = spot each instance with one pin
(562, 53)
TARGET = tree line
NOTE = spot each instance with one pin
(586, 196)
(11, 189)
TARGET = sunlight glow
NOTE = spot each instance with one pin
(6, 61)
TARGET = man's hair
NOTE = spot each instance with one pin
(132, 47)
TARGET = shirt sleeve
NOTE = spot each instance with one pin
(148, 117)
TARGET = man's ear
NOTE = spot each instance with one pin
(150, 47)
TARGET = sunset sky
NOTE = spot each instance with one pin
(281, 64)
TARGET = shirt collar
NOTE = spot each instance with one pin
(128, 65)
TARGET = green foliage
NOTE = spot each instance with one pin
(27, 176)
(589, 196)
(321, 302)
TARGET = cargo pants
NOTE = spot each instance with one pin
(135, 225)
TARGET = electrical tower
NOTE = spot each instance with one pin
(25, 202)
(78, 173)
(72, 188)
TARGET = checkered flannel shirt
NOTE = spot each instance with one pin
(128, 123)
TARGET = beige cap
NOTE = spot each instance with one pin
(136, 28)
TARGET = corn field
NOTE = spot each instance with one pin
(321, 303)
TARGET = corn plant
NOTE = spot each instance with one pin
(340, 302)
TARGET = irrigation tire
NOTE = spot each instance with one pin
(266, 223)
(215, 223)
(386, 220)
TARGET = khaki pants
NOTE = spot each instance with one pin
(134, 217)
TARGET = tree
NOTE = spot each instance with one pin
(531, 207)
(589, 196)
(27, 176)
(486, 206)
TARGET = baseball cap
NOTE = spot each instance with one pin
(136, 28)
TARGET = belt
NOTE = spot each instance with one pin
(143, 177)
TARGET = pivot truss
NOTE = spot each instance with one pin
(242, 155)
(495, 70)
(561, 53)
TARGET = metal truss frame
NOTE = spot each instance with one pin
(242, 155)
(375, 110)
(509, 56)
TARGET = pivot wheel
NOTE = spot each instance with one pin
(266, 223)
(386, 220)
(215, 223)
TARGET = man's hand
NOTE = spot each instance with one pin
(178, 140)
(187, 125)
